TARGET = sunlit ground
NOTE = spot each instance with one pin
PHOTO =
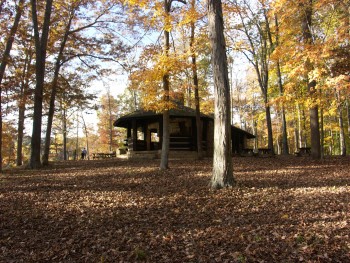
(281, 210)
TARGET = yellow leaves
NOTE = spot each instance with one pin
(139, 3)
(285, 216)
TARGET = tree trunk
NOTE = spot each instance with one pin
(164, 162)
(196, 92)
(255, 130)
(285, 147)
(342, 142)
(313, 111)
(110, 122)
(269, 128)
(22, 107)
(300, 133)
(322, 132)
(45, 158)
(64, 133)
(40, 48)
(315, 127)
(222, 160)
(348, 115)
(4, 60)
(86, 137)
(77, 139)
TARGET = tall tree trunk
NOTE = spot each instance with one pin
(86, 136)
(322, 132)
(313, 111)
(285, 147)
(222, 160)
(348, 115)
(300, 131)
(315, 126)
(40, 48)
(331, 146)
(164, 162)
(110, 123)
(64, 133)
(4, 61)
(269, 127)
(77, 139)
(45, 159)
(342, 142)
(196, 92)
(255, 130)
(22, 106)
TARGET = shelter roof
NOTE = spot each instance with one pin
(180, 111)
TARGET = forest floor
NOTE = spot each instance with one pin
(281, 210)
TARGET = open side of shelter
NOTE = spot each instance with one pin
(144, 133)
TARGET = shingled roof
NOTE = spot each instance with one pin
(180, 111)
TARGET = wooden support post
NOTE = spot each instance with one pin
(134, 135)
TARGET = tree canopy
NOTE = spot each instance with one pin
(294, 52)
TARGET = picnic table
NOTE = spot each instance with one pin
(261, 152)
(247, 152)
(303, 151)
(103, 155)
(265, 152)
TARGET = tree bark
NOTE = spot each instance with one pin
(164, 161)
(322, 132)
(4, 61)
(196, 91)
(342, 142)
(22, 106)
(222, 161)
(40, 48)
(86, 137)
(45, 159)
(64, 132)
(269, 127)
(348, 115)
(285, 147)
(313, 111)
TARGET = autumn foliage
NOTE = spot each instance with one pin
(282, 210)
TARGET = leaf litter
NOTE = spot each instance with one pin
(281, 210)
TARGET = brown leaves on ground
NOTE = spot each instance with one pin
(282, 210)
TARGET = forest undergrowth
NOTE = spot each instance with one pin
(282, 209)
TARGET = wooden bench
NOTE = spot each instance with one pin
(180, 143)
(264, 152)
(303, 151)
(103, 155)
(247, 152)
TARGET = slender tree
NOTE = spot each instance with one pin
(5, 57)
(164, 162)
(40, 48)
(58, 64)
(196, 85)
(222, 160)
(22, 101)
(285, 147)
(311, 83)
(255, 27)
